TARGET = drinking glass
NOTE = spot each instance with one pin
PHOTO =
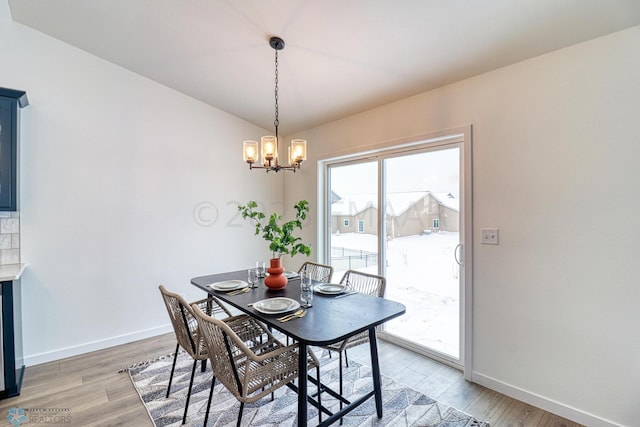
(252, 277)
(306, 290)
(260, 268)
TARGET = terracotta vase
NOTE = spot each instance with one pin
(275, 279)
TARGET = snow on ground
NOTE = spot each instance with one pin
(421, 274)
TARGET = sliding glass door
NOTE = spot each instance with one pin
(353, 228)
(398, 213)
(422, 235)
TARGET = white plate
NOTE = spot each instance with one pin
(290, 274)
(229, 285)
(330, 288)
(276, 305)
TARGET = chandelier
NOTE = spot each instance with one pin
(269, 144)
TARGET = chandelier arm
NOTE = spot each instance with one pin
(277, 168)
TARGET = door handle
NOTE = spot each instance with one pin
(455, 254)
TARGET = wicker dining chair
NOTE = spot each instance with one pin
(188, 335)
(248, 360)
(365, 283)
(319, 272)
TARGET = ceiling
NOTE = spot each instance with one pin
(341, 56)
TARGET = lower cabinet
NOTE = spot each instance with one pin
(11, 356)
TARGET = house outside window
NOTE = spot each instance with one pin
(360, 226)
(345, 222)
(436, 223)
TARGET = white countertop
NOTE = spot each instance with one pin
(11, 271)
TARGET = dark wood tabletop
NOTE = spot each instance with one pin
(330, 319)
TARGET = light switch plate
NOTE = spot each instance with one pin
(489, 236)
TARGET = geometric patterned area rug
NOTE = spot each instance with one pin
(403, 406)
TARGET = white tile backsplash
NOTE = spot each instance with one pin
(9, 256)
(15, 241)
(9, 225)
(5, 241)
(9, 238)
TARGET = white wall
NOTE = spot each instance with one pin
(555, 160)
(114, 168)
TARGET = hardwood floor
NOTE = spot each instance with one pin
(446, 384)
(89, 390)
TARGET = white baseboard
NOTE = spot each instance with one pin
(36, 359)
(542, 402)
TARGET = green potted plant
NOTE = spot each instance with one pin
(280, 237)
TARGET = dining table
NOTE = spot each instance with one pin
(331, 319)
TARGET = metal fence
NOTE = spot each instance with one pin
(343, 259)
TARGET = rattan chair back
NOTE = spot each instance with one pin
(320, 272)
(364, 283)
(250, 366)
(184, 322)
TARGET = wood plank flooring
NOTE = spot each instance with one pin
(95, 394)
(446, 384)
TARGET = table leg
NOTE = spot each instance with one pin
(302, 384)
(375, 371)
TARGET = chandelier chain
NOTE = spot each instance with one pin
(276, 122)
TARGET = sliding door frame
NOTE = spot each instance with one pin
(460, 135)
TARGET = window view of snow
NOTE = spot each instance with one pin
(421, 235)
(422, 274)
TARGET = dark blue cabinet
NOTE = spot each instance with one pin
(11, 356)
(11, 101)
